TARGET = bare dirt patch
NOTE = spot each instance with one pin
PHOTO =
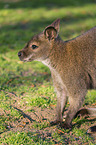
(37, 122)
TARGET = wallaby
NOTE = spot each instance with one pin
(72, 64)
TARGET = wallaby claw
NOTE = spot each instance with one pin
(62, 124)
(54, 122)
(65, 125)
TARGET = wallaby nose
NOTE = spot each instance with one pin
(19, 53)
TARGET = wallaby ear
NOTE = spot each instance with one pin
(51, 31)
(56, 24)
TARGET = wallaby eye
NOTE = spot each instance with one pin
(34, 46)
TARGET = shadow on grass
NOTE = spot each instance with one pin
(17, 81)
(14, 4)
(24, 115)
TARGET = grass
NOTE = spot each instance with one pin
(27, 98)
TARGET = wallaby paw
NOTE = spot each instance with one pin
(65, 125)
(55, 122)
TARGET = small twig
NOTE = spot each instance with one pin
(11, 93)
(6, 58)
(12, 79)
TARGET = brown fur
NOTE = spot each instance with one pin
(72, 64)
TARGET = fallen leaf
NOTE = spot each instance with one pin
(32, 85)
(94, 104)
(21, 126)
(20, 62)
(24, 123)
(51, 105)
(60, 131)
(43, 86)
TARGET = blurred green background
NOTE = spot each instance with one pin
(21, 19)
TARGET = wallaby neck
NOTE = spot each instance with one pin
(56, 53)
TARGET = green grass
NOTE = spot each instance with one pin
(27, 98)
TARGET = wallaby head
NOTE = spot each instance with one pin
(38, 48)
